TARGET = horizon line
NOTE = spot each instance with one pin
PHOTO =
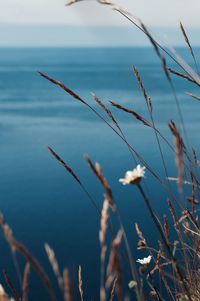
(89, 36)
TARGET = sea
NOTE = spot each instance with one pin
(39, 199)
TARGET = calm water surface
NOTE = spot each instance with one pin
(41, 202)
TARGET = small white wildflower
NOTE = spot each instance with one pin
(132, 284)
(145, 260)
(134, 176)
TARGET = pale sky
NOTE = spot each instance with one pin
(39, 21)
(153, 12)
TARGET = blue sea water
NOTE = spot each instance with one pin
(43, 203)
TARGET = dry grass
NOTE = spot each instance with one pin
(175, 261)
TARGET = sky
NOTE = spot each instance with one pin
(47, 22)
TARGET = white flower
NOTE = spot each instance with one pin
(134, 176)
(145, 260)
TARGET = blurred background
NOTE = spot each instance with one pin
(91, 48)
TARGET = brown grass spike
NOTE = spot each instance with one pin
(68, 291)
(188, 43)
(61, 85)
(108, 112)
(136, 115)
(64, 164)
(179, 152)
(147, 98)
(25, 286)
(17, 246)
(54, 264)
(182, 75)
(99, 173)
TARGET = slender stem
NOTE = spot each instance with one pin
(128, 250)
(158, 226)
(129, 254)
(158, 44)
(154, 287)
